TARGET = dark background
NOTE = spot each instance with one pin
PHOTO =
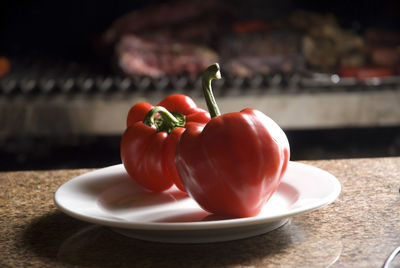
(70, 29)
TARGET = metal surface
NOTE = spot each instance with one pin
(60, 99)
(105, 114)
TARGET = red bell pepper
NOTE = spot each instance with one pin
(148, 144)
(233, 164)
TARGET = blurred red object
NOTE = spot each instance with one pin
(250, 26)
(385, 56)
(5, 66)
(365, 72)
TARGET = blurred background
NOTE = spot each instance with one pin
(327, 72)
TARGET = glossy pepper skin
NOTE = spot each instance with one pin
(148, 144)
(234, 163)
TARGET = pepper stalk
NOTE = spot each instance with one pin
(211, 73)
(166, 121)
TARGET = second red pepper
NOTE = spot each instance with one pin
(148, 144)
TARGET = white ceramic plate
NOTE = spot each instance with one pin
(109, 197)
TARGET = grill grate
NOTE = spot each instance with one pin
(37, 77)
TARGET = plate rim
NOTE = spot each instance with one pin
(181, 226)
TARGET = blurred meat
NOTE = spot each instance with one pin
(162, 56)
(261, 53)
(288, 44)
(303, 21)
(183, 37)
(385, 56)
(325, 44)
(380, 37)
(184, 20)
(168, 39)
(247, 66)
(384, 47)
(333, 47)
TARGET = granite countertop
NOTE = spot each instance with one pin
(359, 229)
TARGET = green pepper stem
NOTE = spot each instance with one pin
(211, 73)
(166, 122)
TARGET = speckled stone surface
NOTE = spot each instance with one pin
(360, 229)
